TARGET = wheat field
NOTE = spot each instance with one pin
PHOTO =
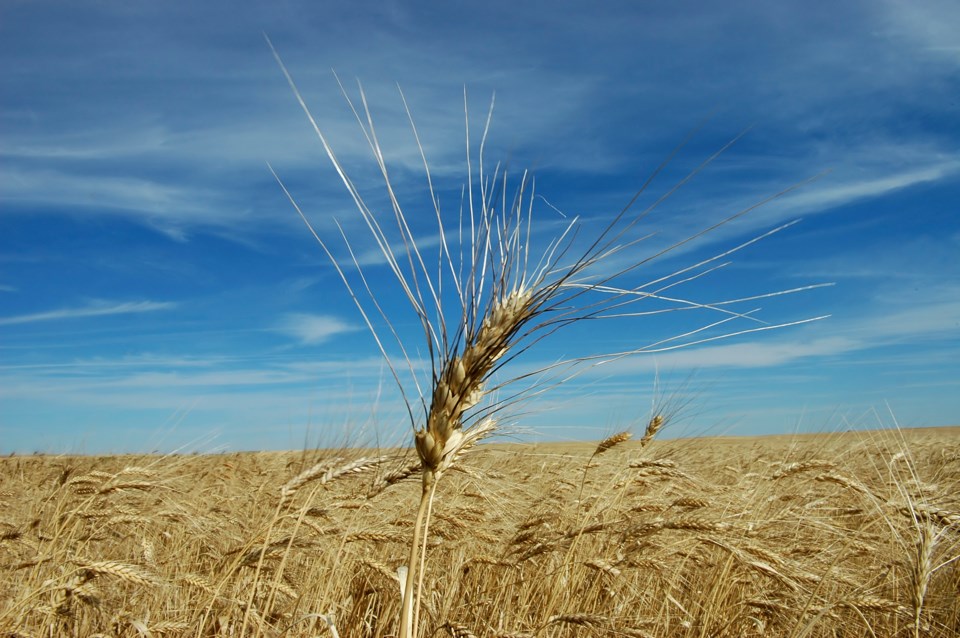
(852, 534)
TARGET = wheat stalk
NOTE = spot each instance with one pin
(506, 300)
(326, 471)
(654, 425)
(612, 441)
(457, 630)
(922, 570)
(583, 620)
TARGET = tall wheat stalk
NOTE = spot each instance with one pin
(503, 300)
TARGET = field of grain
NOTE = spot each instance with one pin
(829, 535)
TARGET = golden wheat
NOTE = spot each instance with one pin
(796, 554)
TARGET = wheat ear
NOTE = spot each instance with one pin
(507, 301)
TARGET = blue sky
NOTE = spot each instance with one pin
(158, 291)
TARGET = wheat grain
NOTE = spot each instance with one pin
(659, 463)
(122, 571)
(696, 525)
(691, 502)
(195, 580)
(404, 472)
(326, 471)
(654, 425)
(790, 469)
(381, 569)
(924, 511)
(375, 537)
(612, 441)
(124, 486)
(603, 566)
(872, 603)
(844, 481)
(584, 620)
(457, 630)
(169, 626)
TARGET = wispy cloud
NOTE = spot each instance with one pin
(154, 202)
(98, 309)
(931, 26)
(887, 325)
(314, 329)
(168, 139)
(833, 193)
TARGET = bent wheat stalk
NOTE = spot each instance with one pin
(488, 299)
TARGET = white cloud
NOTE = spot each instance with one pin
(833, 193)
(884, 326)
(313, 329)
(927, 320)
(98, 309)
(166, 206)
(930, 25)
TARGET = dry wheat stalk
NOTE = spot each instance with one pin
(461, 382)
(649, 507)
(11, 534)
(319, 530)
(381, 569)
(199, 582)
(406, 471)
(309, 474)
(653, 426)
(922, 570)
(457, 630)
(872, 603)
(645, 529)
(282, 586)
(489, 560)
(376, 537)
(584, 620)
(665, 472)
(88, 593)
(149, 553)
(169, 626)
(543, 519)
(690, 501)
(524, 537)
(844, 481)
(127, 519)
(123, 571)
(592, 528)
(941, 516)
(790, 469)
(612, 441)
(504, 306)
(136, 469)
(697, 525)
(126, 485)
(540, 547)
(63, 597)
(326, 471)
(661, 463)
(603, 566)
(471, 513)
(648, 564)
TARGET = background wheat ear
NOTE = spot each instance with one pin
(612, 441)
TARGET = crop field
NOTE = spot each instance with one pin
(852, 534)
